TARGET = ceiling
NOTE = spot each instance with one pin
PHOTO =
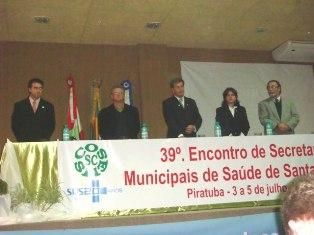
(216, 24)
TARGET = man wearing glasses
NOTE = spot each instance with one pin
(279, 110)
(33, 118)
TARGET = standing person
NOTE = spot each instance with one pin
(33, 118)
(119, 120)
(281, 111)
(231, 115)
(180, 113)
(298, 206)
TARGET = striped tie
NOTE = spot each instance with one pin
(181, 101)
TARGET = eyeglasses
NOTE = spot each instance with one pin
(272, 87)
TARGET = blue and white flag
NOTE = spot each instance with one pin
(128, 94)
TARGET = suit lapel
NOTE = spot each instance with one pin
(41, 106)
(175, 105)
(228, 112)
(273, 109)
(185, 103)
(284, 109)
(28, 105)
(236, 112)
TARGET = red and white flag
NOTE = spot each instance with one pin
(73, 117)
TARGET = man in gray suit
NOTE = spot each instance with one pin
(281, 111)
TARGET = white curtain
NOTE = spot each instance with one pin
(206, 81)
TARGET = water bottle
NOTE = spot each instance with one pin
(268, 127)
(144, 131)
(65, 133)
(217, 130)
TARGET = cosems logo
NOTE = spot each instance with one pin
(90, 160)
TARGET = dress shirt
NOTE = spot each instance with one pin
(34, 103)
(181, 100)
(232, 109)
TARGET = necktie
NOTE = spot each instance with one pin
(34, 106)
(181, 102)
(278, 107)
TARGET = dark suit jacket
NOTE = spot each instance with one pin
(177, 117)
(108, 122)
(232, 125)
(30, 126)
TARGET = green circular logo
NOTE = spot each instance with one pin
(90, 160)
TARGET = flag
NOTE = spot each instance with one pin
(128, 93)
(73, 117)
(94, 133)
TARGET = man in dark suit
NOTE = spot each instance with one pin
(33, 118)
(180, 113)
(119, 120)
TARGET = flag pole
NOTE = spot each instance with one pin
(95, 106)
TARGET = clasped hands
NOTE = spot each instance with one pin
(190, 129)
(282, 128)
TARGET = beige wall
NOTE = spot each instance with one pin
(149, 67)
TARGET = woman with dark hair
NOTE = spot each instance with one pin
(231, 116)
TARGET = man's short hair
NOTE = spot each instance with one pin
(35, 80)
(277, 82)
(115, 87)
(176, 81)
(298, 202)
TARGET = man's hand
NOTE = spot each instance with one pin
(190, 129)
(282, 128)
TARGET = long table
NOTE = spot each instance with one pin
(138, 177)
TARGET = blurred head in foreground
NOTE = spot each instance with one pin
(298, 206)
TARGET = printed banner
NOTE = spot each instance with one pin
(158, 173)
